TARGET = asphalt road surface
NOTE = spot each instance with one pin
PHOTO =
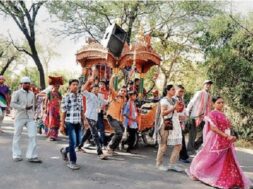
(123, 171)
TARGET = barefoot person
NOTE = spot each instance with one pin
(23, 102)
(216, 163)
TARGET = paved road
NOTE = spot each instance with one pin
(123, 171)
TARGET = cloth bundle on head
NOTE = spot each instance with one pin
(55, 80)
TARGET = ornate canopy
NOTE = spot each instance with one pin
(142, 54)
(94, 53)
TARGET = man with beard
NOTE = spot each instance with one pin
(23, 102)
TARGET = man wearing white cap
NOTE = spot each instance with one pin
(23, 102)
(197, 109)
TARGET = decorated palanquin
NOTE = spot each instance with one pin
(139, 57)
(94, 54)
(142, 57)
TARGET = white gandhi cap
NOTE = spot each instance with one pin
(25, 80)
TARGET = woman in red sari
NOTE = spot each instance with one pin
(52, 121)
(216, 163)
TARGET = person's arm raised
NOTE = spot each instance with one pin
(90, 80)
(111, 86)
(85, 87)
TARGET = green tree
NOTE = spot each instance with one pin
(25, 17)
(228, 48)
(7, 56)
(92, 17)
(172, 24)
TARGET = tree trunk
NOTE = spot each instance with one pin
(41, 71)
(25, 19)
(132, 18)
(129, 32)
(165, 81)
(38, 63)
(151, 89)
(7, 65)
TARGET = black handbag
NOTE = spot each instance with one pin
(168, 124)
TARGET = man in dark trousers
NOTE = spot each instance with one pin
(180, 90)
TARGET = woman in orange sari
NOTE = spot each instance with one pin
(52, 121)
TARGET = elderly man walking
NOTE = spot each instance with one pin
(198, 107)
(23, 102)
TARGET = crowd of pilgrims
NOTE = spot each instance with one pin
(81, 111)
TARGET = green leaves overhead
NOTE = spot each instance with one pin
(227, 44)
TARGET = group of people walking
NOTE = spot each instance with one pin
(210, 138)
(215, 163)
(121, 115)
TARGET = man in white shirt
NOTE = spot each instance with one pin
(23, 102)
(198, 107)
(94, 102)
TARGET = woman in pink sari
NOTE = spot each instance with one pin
(216, 163)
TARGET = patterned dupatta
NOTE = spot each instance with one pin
(220, 121)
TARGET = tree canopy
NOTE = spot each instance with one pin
(25, 17)
(172, 24)
(228, 47)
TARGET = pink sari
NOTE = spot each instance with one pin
(216, 164)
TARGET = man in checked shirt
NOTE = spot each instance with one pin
(72, 119)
